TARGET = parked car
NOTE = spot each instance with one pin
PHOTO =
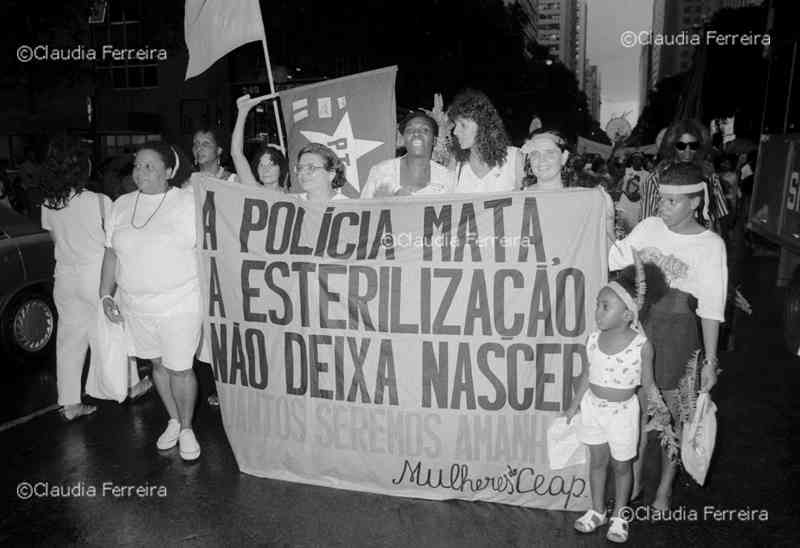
(27, 312)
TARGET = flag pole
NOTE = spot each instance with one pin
(273, 95)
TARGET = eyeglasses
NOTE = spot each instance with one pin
(693, 145)
(308, 168)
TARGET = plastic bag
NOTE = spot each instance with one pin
(563, 446)
(108, 368)
(699, 436)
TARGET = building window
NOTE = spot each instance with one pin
(124, 31)
(125, 143)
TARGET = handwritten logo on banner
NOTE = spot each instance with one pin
(429, 342)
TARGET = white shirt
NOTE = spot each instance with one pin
(156, 263)
(77, 229)
(385, 177)
(499, 179)
(693, 263)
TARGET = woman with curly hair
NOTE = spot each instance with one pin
(321, 173)
(484, 160)
(75, 218)
(685, 142)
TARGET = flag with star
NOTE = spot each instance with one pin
(353, 115)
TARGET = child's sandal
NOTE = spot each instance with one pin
(618, 530)
(590, 521)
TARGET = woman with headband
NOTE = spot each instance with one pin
(546, 154)
(693, 259)
(269, 167)
(150, 283)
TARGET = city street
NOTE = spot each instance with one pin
(749, 498)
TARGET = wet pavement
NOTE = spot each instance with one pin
(210, 503)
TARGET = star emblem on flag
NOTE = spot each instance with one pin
(345, 145)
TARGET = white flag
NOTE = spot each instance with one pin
(214, 28)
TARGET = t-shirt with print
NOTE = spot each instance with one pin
(693, 263)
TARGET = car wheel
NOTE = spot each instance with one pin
(791, 315)
(29, 325)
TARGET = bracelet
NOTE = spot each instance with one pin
(107, 296)
(715, 361)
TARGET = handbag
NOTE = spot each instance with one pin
(699, 437)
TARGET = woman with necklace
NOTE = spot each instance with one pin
(150, 259)
(484, 159)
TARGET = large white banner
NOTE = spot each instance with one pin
(415, 347)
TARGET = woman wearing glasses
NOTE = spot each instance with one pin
(320, 173)
(686, 141)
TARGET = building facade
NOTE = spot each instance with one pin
(592, 89)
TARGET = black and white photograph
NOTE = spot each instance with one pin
(430, 274)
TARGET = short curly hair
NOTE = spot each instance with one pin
(491, 140)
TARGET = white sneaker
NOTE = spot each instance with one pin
(169, 438)
(190, 449)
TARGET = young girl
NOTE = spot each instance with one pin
(694, 261)
(620, 359)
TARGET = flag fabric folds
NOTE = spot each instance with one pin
(354, 116)
(214, 28)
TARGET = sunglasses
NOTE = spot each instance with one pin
(681, 145)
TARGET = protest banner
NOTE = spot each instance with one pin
(417, 347)
(354, 116)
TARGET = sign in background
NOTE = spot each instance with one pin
(411, 347)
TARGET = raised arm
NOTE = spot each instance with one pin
(243, 171)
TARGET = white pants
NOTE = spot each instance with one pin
(75, 295)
